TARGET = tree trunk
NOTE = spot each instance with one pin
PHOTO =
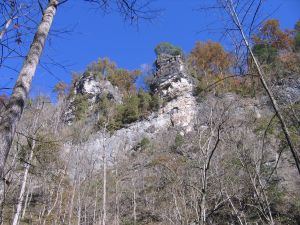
(23, 187)
(134, 202)
(13, 112)
(71, 204)
(27, 200)
(7, 24)
(104, 188)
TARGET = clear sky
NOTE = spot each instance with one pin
(95, 35)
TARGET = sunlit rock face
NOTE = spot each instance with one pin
(175, 86)
(93, 90)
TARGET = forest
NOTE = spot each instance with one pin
(209, 136)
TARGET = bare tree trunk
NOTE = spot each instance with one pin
(27, 199)
(134, 202)
(13, 112)
(203, 200)
(176, 205)
(95, 207)
(230, 6)
(104, 188)
(71, 204)
(235, 211)
(51, 208)
(23, 187)
(117, 209)
(59, 211)
(79, 208)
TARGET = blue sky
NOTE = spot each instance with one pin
(96, 35)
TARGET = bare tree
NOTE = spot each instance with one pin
(132, 10)
(231, 8)
(31, 141)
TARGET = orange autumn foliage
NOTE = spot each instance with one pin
(270, 34)
(210, 58)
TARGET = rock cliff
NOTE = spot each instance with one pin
(93, 89)
(173, 84)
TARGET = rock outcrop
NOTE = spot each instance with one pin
(174, 85)
(287, 91)
(93, 89)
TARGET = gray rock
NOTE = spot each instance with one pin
(287, 91)
(93, 89)
(175, 86)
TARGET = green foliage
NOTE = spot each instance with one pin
(276, 192)
(266, 54)
(155, 103)
(131, 111)
(178, 142)
(81, 107)
(297, 36)
(167, 48)
(75, 78)
(297, 42)
(242, 86)
(104, 110)
(46, 153)
(145, 102)
(104, 105)
(144, 142)
(133, 108)
(266, 123)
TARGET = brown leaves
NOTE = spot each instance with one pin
(271, 34)
(210, 57)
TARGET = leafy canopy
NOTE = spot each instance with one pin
(210, 58)
(167, 48)
(271, 35)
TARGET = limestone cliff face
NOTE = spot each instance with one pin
(173, 84)
(93, 90)
(88, 85)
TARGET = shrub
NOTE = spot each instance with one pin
(81, 107)
(144, 102)
(266, 54)
(167, 48)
